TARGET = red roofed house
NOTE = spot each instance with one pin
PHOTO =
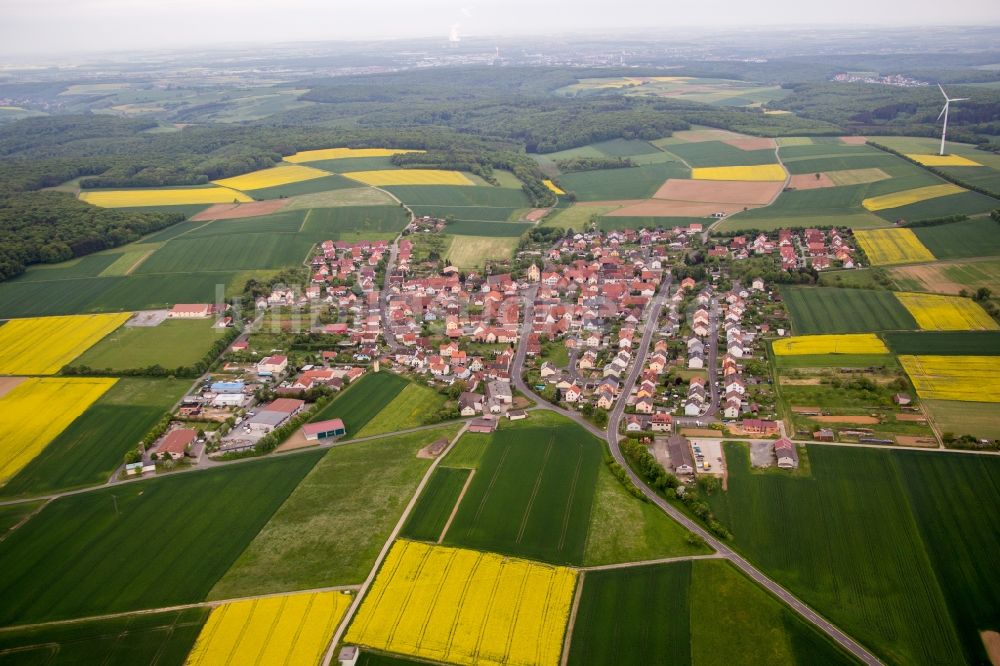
(176, 442)
(272, 365)
(324, 429)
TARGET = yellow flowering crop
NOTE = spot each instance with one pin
(770, 172)
(169, 197)
(965, 378)
(934, 312)
(38, 409)
(465, 607)
(892, 246)
(942, 160)
(43, 345)
(343, 153)
(906, 197)
(384, 177)
(288, 629)
(858, 343)
(279, 175)
(553, 187)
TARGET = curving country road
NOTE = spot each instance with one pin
(611, 436)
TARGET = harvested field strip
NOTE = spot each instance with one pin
(860, 343)
(43, 345)
(735, 191)
(409, 177)
(942, 160)
(907, 197)
(34, 412)
(964, 378)
(892, 246)
(934, 312)
(343, 153)
(762, 172)
(273, 177)
(808, 181)
(171, 197)
(292, 629)
(857, 176)
(950, 277)
(230, 211)
(436, 504)
(465, 607)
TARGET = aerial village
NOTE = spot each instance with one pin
(564, 320)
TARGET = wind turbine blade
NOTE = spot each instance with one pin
(960, 99)
(942, 111)
(942, 91)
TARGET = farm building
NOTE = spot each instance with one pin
(324, 429)
(788, 456)
(229, 400)
(272, 365)
(190, 311)
(176, 442)
(679, 450)
(274, 414)
(483, 425)
(759, 426)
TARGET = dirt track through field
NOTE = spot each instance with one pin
(458, 503)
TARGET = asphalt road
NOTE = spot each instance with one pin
(611, 436)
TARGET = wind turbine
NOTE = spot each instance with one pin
(944, 112)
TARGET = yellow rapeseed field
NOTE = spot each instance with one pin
(174, 197)
(934, 312)
(43, 345)
(892, 246)
(409, 177)
(769, 172)
(552, 186)
(279, 175)
(38, 409)
(906, 197)
(343, 153)
(288, 629)
(965, 378)
(465, 607)
(857, 343)
(942, 160)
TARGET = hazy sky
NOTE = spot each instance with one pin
(64, 26)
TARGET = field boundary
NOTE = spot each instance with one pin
(365, 586)
(178, 607)
(458, 502)
(571, 622)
